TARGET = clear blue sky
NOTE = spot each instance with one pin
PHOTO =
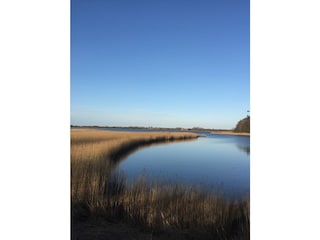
(161, 63)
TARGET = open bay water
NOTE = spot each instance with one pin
(215, 163)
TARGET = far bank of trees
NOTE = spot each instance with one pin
(243, 125)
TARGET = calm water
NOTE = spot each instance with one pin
(215, 162)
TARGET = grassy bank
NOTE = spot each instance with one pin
(94, 154)
(230, 132)
(98, 194)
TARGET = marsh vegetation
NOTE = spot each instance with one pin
(99, 193)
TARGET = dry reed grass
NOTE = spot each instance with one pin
(97, 191)
(94, 154)
(93, 144)
(225, 132)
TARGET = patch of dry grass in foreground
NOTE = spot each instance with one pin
(99, 193)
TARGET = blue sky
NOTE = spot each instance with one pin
(168, 63)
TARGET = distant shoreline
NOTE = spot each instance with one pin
(230, 133)
(177, 129)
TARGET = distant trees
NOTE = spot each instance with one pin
(243, 125)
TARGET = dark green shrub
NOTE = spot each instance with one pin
(243, 125)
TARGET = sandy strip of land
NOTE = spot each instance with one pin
(231, 133)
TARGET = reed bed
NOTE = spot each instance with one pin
(100, 192)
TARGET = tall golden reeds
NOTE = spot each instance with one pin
(97, 190)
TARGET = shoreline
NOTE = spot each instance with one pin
(230, 133)
(119, 143)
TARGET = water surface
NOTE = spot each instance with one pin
(215, 162)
